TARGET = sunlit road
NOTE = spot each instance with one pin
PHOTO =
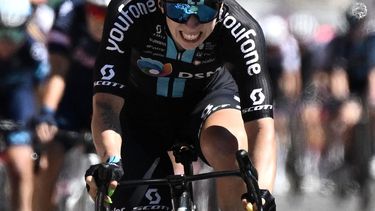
(320, 202)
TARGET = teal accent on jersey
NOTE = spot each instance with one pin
(172, 53)
(178, 87)
(187, 56)
(162, 86)
(171, 49)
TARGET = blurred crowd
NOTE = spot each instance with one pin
(47, 56)
(323, 78)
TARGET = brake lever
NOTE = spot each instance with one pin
(250, 176)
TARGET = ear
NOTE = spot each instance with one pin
(161, 5)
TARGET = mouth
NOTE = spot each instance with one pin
(193, 37)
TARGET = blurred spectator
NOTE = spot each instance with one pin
(284, 59)
(350, 54)
(42, 19)
(284, 63)
(66, 102)
(23, 65)
(309, 136)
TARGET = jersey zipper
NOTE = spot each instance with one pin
(179, 55)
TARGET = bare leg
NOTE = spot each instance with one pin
(21, 177)
(222, 135)
(46, 178)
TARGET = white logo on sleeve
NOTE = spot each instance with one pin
(153, 195)
(257, 96)
(107, 72)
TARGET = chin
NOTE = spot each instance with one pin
(190, 46)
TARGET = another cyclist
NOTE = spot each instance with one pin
(23, 64)
(66, 102)
(186, 70)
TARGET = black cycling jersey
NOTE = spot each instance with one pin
(29, 63)
(137, 51)
(69, 37)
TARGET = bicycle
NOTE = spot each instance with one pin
(71, 190)
(71, 194)
(181, 185)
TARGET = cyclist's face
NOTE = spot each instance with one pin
(190, 33)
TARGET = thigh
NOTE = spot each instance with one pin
(222, 134)
(142, 162)
(229, 119)
(218, 117)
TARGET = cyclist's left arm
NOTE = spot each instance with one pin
(262, 147)
(245, 51)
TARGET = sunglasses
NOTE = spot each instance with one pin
(181, 12)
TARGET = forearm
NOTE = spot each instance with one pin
(53, 91)
(106, 127)
(55, 85)
(371, 86)
(262, 147)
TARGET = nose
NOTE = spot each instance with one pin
(193, 21)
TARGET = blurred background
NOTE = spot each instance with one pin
(321, 62)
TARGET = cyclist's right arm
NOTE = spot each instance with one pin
(106, 131)
(106, 126)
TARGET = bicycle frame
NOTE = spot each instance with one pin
(182, 193)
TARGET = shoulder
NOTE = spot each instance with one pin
(135, 8)
(131, 15)
(69, 6)
(69, 13)
(235, 16)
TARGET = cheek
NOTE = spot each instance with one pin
(173, 27)
(209, 28)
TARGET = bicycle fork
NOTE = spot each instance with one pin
(182, 190)
(182, 198)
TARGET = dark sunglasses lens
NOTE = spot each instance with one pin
(180, 13)
(206, 13)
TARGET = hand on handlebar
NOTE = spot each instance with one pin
(45, 125)
(106, 174)
(268, 202)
